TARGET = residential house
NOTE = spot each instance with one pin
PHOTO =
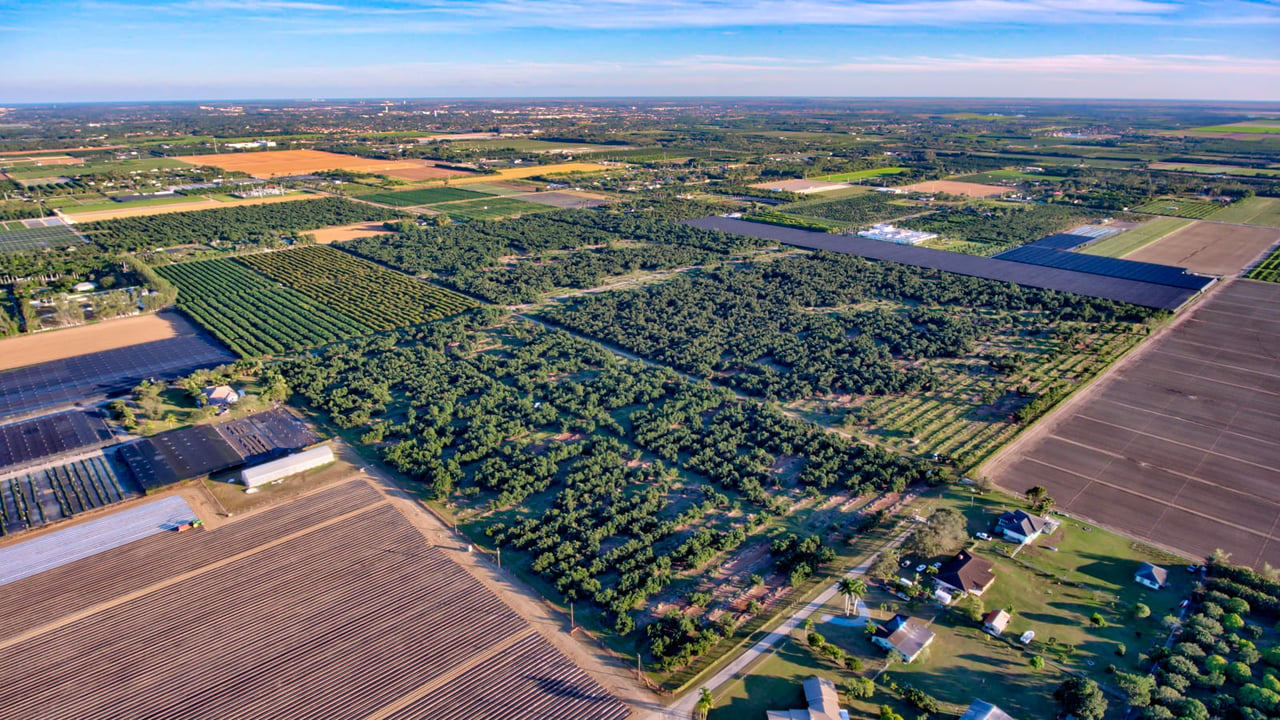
(221, 395)
(1020, 526)
(966, 573)
(1153, 576)
(996, 621)
(906, 637)
(824, 703)
(983, 710)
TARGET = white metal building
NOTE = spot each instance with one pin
(265, 473)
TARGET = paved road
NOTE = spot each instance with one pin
(90, 538)
(683, 708)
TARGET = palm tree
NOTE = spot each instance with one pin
(852, 589)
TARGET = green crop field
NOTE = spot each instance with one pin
(1244, 127)
(24, 239)
(1205, 169)
(862, 174)
(491, 208)
(1139, 237)
(1177, 207)
(94, 168)
(410, 198)
(1252, 211)
(250, 313)
(370, 294)
(1268, 270)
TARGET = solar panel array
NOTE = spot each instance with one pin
(1110, 267)
(1147, 294)
(62, 382)
(23, 442)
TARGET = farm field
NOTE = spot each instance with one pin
(88, 376)
(56, 493)
(89, 168)
(341, 628)
(16, 352)
(252, 315)
(954, 187)
(1137, 238)
(1215, 169)
(368, 294)
(492, 208)
(1268, 270)
(862, 174)
(1261, 127)
(410, 198)
(1209, 247)
(563, 199)
(995, 176)
(524, 171)
(1178, 207)
(129, 211)
(27, 239)
(341, 233)
(1177, 447)
(1252, 211)
(274, 163)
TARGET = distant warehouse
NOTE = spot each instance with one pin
(265, 473)
(897, 235)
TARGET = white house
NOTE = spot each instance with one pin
(1153, 576)
(1020, 526)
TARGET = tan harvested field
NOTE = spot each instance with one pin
(1178, 445)
(953, 187)
(182, 207)
(419, 170)
(274, 163)
(530, 171)
(330, 606)
(798, 185)
(1209, 247)
(37, 160)
(43, 347)
(324, 236)
(9, 153)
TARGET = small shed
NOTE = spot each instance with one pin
(996, 621)
(1152, 576)
(270, 472)
(84, 287)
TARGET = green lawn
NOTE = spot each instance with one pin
(861, 174)
(1139, 237)
(490, 208)
(1252, 211)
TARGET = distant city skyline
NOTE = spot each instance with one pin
(133, 50)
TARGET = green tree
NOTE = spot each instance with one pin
(1036, 493)
(1081, 697)
(1037, 663)
(946, 531)
(859, 687)
(1137, 688)
(705, 703)
(1141, 611)
(852, 589)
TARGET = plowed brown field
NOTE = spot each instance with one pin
(331, 606)
(958, 188)
(324, 236)
(299, 162)
(42, 347)
(1209, 247)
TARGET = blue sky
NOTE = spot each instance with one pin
(67, 50)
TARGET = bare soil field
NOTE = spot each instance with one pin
(1209, 247)
(419, 170)
(954, 187)
(563, 199)
(324, 236)
(43, 160)
(299, 162)
(525, 171)
(332, 605)
(802, 186)
(42, 347)
(1180, 444)
(182, 207)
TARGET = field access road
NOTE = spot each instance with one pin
(683, 708)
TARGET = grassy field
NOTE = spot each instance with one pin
(997, 176)
(109, 204)
(1215, 169)
(1260, 127)
(1267, 270)
(862, 174)
(121, 166)
(1139, 237)
(1252, 211)
(490, 208)
(410, 198)
(1179, 207)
